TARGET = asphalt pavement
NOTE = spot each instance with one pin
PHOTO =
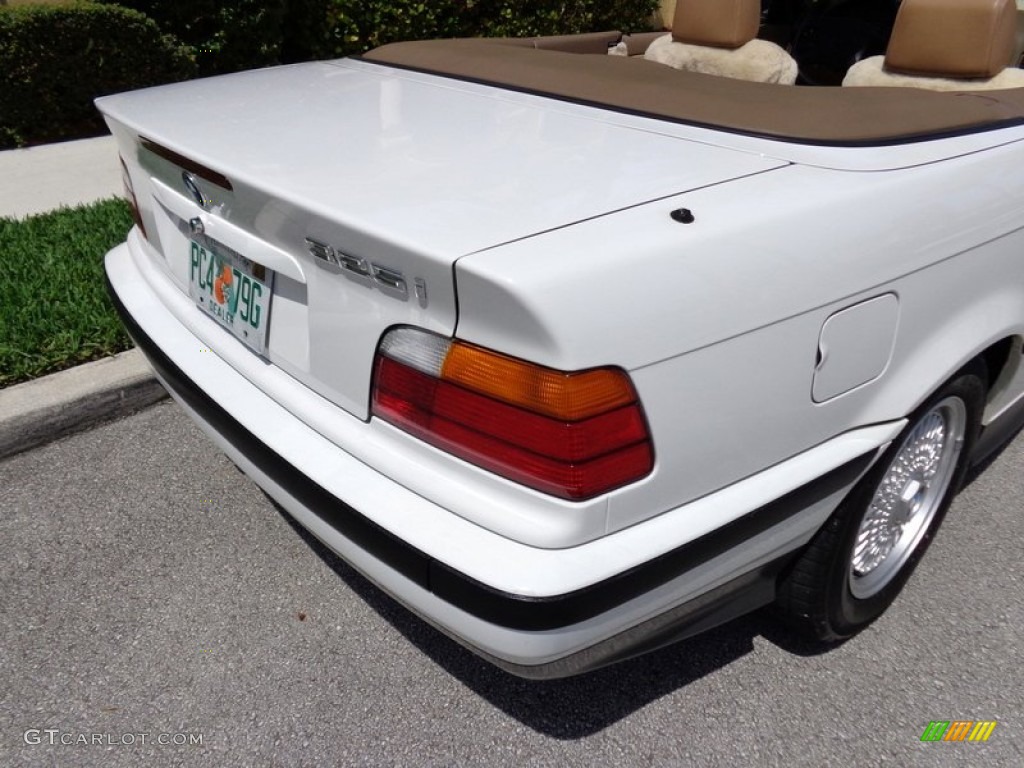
(150, 591)
(158, 609)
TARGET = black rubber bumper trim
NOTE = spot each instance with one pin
(504, 609)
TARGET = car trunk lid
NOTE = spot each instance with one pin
(359, 185)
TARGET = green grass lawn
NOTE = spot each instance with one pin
(54, 311)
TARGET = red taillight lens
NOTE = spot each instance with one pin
(129, 195)
(573, 435)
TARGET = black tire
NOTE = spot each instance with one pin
(846, 577)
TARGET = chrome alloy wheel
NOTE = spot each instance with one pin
(907, 498)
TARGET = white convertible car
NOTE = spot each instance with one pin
(577, 354)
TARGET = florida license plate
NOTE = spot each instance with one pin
(233, 290)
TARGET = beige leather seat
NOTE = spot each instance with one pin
(947, 45)
(719, 37)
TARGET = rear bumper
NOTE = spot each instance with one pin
(673, 593)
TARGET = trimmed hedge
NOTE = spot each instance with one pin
(54, 60)
(523, 18)
(223, 37)
(355, 26)
(227, 37)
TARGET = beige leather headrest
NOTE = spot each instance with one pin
(717, 23)
(953, 38)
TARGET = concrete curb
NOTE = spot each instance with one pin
(39, 411)
(37, 180)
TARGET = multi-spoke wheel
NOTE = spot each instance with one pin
(857, 564)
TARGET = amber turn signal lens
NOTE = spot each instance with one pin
(567, 396)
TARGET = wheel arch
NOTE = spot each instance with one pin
(1003, 362)
(816, 590)
(989, 330)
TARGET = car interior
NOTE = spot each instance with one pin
(949, 45)
(720, 37)
(700, 73)
(935, 44)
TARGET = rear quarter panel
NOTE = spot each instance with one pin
(718, 321)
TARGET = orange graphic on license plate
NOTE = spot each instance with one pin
(222, 285)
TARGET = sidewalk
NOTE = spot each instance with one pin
(40, 179)
(37, 180)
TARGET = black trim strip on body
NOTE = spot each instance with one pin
(187, 163)
(504, 609)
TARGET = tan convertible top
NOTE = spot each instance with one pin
(815, 115)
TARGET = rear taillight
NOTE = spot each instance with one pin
(129, 195)
(572, 435)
